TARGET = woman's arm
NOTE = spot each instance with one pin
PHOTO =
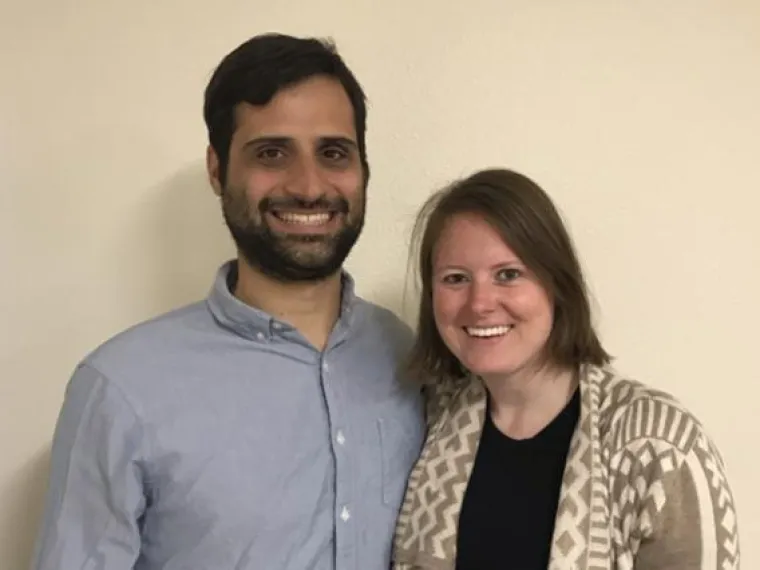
(686, 518)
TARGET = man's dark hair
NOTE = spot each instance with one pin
(258, 69)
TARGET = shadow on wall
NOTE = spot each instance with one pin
(25, 494)
(186, 238)
(183, 225)
(388, 296)
(191, 240)
(393, 296)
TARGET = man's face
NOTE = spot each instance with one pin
(294, 196)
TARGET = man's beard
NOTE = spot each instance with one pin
(291, 257)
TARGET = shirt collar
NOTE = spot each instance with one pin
(253, 323)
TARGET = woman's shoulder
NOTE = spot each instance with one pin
(452, 394)
(663, 473)
(630, 410)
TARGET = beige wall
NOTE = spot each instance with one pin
(640, 117)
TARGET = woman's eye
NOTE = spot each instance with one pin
(509, 274)
(453, 279)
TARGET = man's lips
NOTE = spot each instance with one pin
(315, 219)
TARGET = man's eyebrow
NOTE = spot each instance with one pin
(282, 141)
(338, 140)
(273, 140)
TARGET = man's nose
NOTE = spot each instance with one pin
(306, 179)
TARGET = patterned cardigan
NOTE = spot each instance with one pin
(644, 487)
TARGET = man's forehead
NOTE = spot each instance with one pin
(300, 125)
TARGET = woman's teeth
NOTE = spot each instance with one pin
(486, 332)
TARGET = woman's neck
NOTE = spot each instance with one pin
(524, 403)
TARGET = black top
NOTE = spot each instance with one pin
(510, 504)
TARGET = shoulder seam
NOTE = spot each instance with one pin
(656, 419)
(122, 395)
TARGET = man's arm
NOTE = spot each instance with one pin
(95, 496)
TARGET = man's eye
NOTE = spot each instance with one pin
(270, 154)
(334, 153)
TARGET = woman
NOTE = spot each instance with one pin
(539, 455)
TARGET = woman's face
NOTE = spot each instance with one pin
(490, 310)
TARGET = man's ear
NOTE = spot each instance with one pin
(212, 168)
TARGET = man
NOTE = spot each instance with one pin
(266, 427)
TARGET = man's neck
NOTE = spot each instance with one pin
(311, 307)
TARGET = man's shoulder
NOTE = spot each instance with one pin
(161, 336)
(383, 320)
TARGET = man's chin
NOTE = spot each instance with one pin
(288, 241)
(299, 266)
(295, 257)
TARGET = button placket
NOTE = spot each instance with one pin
(340, 429)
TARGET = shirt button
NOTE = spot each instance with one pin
(340, 438)
(345, 514)
(325, 367)
(260, 335)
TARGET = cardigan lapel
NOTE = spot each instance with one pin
(581, 538)
(428, 523)
(427, 528)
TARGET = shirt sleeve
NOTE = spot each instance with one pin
(688, 519)
(95, 492)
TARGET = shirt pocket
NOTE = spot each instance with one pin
(400, 445)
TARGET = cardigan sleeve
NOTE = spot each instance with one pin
(686, 518)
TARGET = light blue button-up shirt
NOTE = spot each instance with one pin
(217, 438)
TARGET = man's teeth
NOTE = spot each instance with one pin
(488, 331)
(304, 219)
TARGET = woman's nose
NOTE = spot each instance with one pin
(482, 298)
